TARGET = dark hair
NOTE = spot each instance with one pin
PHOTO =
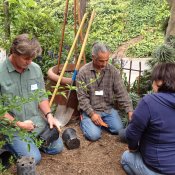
(25, 45)
(166, 73)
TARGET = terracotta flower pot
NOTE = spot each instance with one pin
(53, 75)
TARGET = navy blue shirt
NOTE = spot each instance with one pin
(152, 132)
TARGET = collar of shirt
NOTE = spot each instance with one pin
(10, 66)
(92, 67)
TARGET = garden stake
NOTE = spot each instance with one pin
(64, 112)
(75, 27)
(63, 31)
(67, 60)
(140, 70)
(81, 34)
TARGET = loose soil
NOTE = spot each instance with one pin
(91, 158)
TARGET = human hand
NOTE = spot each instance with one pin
(53, 122)
(27, 125)
(96, 118)
(132, 150)
(130, 115)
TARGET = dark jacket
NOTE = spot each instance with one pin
(152, 132)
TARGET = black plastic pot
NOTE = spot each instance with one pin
(5, 158)
(70, 138)
(49, 135)
(26, 166)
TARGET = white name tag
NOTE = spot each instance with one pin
(99, 92)
(34, 87)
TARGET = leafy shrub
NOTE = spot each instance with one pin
(7, 127)
(115, 22)
(163, 53)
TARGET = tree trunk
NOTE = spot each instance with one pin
(171, 23)
(170, 2)
(6, 19)
(83, 5)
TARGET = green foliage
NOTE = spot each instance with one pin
(3, 170)
(41, 18)
(45, 63)
(120, 21)
(115, 23)
(135, 99)
(171, 41)
(8, 128)
(144, 48)
(163, 53)
(144, 84)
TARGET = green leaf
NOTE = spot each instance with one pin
(28, 147)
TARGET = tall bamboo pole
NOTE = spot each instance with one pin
(67, 60)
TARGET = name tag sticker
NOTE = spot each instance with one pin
(34, 87)
(99, 92)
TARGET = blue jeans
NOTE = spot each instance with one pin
(93, 132)
(122, 135)
(133, 164)
(20, 148)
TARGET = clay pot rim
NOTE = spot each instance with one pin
(53, 75)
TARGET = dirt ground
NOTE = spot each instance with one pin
(91, 158)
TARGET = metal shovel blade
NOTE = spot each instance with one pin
(63, 114)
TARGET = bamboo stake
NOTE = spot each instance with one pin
(85, 40)
(64, 113)
(67, 60)
(81, 34)
(82, 51)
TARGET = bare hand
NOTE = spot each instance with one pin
(98, 120)
(27, 125)
(53, 122)
(130, 115)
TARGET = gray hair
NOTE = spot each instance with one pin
(99, 47)
(26, 46)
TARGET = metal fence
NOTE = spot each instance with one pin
(130, 69)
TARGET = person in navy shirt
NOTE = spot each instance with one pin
(151, 132)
